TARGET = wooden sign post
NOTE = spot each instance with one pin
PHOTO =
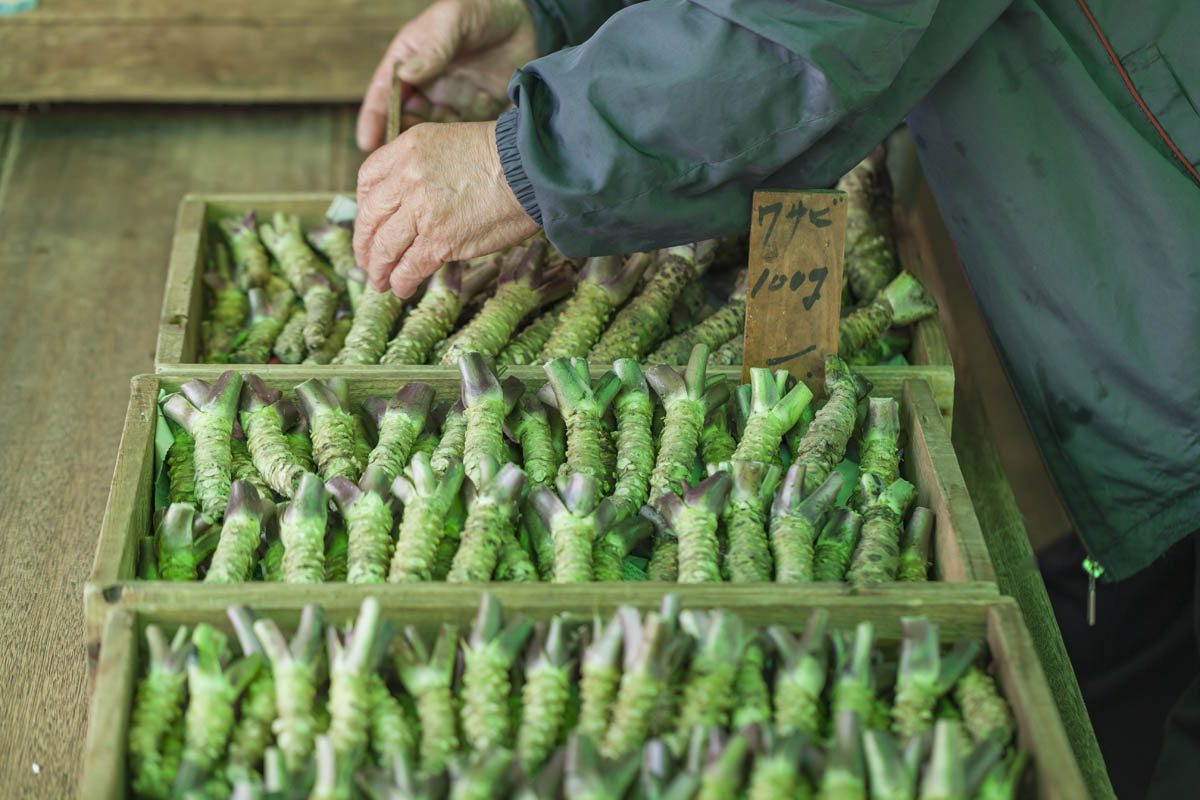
(794, 282)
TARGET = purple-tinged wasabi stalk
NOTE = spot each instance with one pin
(771, 414)
(717, 444)
(233, 561)
(645, 319)
(986, 715)
(181, 468)
(776, 770)
(687, 401)
(835, 546)
(227, 312)
(515, 564)
(824, 444)
(522, 289)
(570, 516)
(375, 315)
(693, 518)
(295, 668)
(615, 539)
(269, 309)
(600, 675)
(582, 409)
(264, 417)
(795, 524)
(435, 315)
(879, 456)
(903, 302)
(335, 240)
(485, 405)
(877, 556)
(207, 412)
(545, 695)
(651, 654)
(604, 284)
(453, 443)
(708, 696)
(800, 675)
(730, 353)
(490, 518)
(302, 531)
(399, 421)
(243, 465)
(177, 557)
(635, 447)
(157, 706)
(752, 696)
(252, 732)
(914, 546)
(392, 732)
(426, 501)
(249, 257)
(714, 330)
(748, 553)
(854, 685)
(924, 675)
(722, 778)
(427, 676)
(488, 658)
(524, 347)
(333, 431)
(367, 512)
(529, 425)
(945, 774)
(845, 776)
(352, 661)
(335, 341)
(289, 345)
(588, 777)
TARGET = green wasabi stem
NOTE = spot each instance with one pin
(227, 313)
(491, 517)
(590, 778)
(331, 775)
(485, 405)
(717, 444)
(393, 734)
(426, 500)
(362, 443)
(914, 546)
(893, 342)
(264, 417)
(374, 318)
(352, 661)
(878, 453)
(644, 321)
(302, 531)
(854, 686)
(207, 412)
(722, 777)
(271, 561)
(651, 654)
(870, 262)
(1003, 780)
(450, 288)
(335, 241)
(776, 770)
(157, 706)
(903, 302)
(213, 692)
(545, 695)
(877, 557)
(249, 258)
(615, 539)
(582, 408)
(795, 524)
(325, 354)
(333, 432)
(891, 776)
(534, 531)
(147, 559)
(845, 771)
(233, 561)
(836, 545)
(320, 305)
(772, 413)
(687, 400)
(985, 713)
(181, 469)
(529, 425)
(708, 696)
(693, 519)
(730, 353)
(452, 445)
(243, 465)
(752, 696)
(289, 345)
(600, 674)
(924, 675)
(295, 669)
(488, 658)
(515, 564)
(252, 732)
(399, 421)
(337, 551)
(824, 445)
(269, 309)
(177, 557)
(604, 284)
(748, 554)
(367, 512)
(523, 288)
(796, 435)
(274, 773)
(486, 775)
(571, 519)
(716, 329)
(427, 676)
(635, 449)
(452, 528)
(284, 239)
(524, 347)
(945, 776)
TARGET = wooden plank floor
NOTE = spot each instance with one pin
(87, 204)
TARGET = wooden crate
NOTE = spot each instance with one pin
(998, 622)
(183, 303)
(959, 554)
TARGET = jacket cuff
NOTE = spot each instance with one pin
(510, 162)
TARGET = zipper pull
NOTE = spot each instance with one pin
(1094, 571)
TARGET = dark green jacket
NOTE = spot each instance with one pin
(1061, 138)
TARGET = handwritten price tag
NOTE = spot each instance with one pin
(797, 243)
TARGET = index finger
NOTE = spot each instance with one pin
(372, 117)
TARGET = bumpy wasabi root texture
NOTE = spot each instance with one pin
(485, 406)
(490, 519)
(249, 258)
(693, 518)
(800, 676)
(714, 330)
(748, 555)
(686, 402)
(157, 706)
(207, 413)
(635, 446)
(452, 444)
(252, 732)
(985, 713)
(335, 240)
(426, 501)
(582, 409)
(924, 675)
(529, 426)
(824, 445)
(914, 546)
(870, 262)
(398, 421)
(374, 319)
(264, 417)
(708, 688)
(487, 660)
(544, 697)
(289, 346)
(332, 428)
(524, 347)
(615, 539)
(302, 531)
(427, 675)
(572, 524)
(604, 283)
(730, 353)
(647, 665)
(230, 308)
(352, 662)
(368, 516)
(234, 559)
(449, 290)
(181, 469)
(835, 546)
(854, 685)
(773, 412)
(879, 458)
(717, 444)
(903, 302)
(795, 524)
(295, 669)
(208, 721)
(177, 557)
(599, 676)
(877, 558)
(270, 307)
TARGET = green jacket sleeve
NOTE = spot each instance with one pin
(565, 23)
(657, 128)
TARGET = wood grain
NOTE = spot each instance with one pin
(86, 212)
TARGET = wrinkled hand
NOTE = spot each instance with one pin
(434, 194)
(460, 54)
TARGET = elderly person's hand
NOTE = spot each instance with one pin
(434, 194)
(460, 54)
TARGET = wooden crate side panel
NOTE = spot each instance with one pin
(183, 301)
(104, 753)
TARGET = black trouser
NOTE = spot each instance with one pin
(1139, 667)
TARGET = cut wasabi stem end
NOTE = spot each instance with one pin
(748, 557)
(801, 676)
(835, 546)
(877, 557)
(490, 519)
(252, 731)
(902, 302)
(157, 706)
(302, 530)
(794, 524)
(582, 409)
(488, 657)
(708, 691)
(693, 518)
(234, 558)
(687, 399)
(914, 547)
(924, 675)
(615, 539)
(854, 686)
(207, 412)
(264, 418)
(332, 429)
(399, 421)
(249, 257)
(352, 663)
(604, 284)
(570, 517)
(367, 512)
(485, 406)
(772, 413)
(426, 501)
(945, 774)
(335, 240)
(295, 669)
(177, 559)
